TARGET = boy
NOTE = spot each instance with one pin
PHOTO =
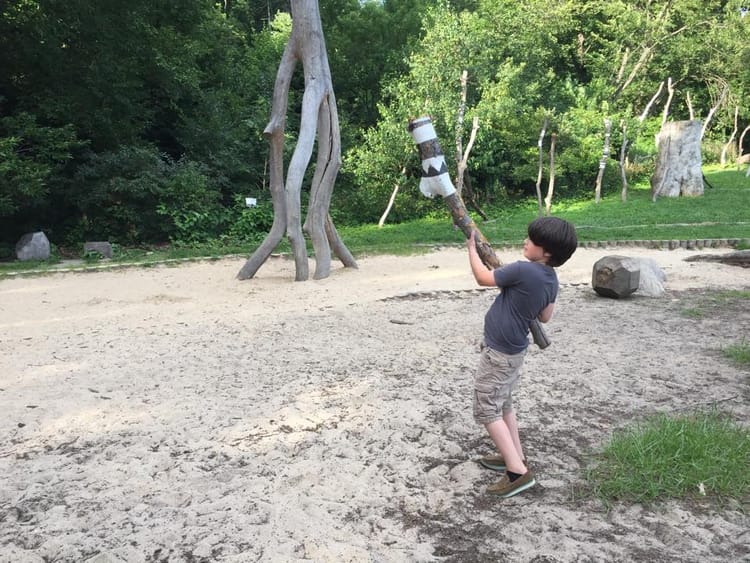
(527, 291)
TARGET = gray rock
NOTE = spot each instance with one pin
(33, 246)
(102, 247)
(652, 278)
(615, 276)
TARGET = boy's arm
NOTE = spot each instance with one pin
(546, 314)
(483, 276)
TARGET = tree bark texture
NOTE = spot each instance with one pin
(436, 181)
(319, 117)
(678, 162)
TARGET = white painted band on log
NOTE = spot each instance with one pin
(422, 133)
(437, 185)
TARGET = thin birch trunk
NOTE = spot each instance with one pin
(725, 149)
(540, 146)
(623, 154)
(740, 146)
(713, 110)
(690, 107)
(644, 114)
(670, 91)
(396, 187)
(551, 186)
(603, 161)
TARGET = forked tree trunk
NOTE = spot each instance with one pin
(318, 117)
(678, 162)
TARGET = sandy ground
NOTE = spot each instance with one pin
(175, 414)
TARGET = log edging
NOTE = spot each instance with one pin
(688, 244)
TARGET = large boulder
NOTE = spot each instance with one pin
(33, 246)
(615, 276)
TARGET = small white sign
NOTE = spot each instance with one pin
(251, 202)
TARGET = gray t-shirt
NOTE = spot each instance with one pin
(527, 288)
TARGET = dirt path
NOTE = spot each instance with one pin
(176, 414)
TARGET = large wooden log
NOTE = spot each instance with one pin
(436, 181)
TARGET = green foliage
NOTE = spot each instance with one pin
(192, 205)
(250, 224)
(677, 456)
(30, 155)
(125, 196)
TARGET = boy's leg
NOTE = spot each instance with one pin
(510, 421)
(502, 437)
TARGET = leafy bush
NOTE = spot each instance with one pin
(125, 195)
(192, 205)
(250, 224)
(29, 156)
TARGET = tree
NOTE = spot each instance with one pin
(319, 116)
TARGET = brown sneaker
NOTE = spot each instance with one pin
(495, 462)
(505, 489)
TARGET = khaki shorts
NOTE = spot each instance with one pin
(496, 378)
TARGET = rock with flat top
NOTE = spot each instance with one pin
(102, 247)
(615, 276)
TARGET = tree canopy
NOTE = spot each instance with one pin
(142, 122)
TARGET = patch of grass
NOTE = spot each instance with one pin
(739, 352)
(712, 301)
(704, 455)
(732, 295)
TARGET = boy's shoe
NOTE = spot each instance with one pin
(505, 489)
(495, 462)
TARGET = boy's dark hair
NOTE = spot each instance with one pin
(556, 236)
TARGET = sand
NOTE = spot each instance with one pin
(177, 414)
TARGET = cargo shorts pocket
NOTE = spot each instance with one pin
(487, 403)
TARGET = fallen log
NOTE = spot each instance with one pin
(738, 258)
